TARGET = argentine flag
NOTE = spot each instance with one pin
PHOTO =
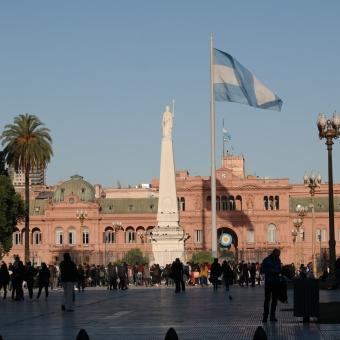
(234, 83)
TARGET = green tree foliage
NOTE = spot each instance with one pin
(201, 257)
(11, 211)
(27, 146)
(3, 170)
(134, 256)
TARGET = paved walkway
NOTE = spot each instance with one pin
(147, 313)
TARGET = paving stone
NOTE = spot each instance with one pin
(147, 313)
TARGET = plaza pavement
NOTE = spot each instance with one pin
(147, 313)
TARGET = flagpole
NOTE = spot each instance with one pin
(213, 165)
(223, 141)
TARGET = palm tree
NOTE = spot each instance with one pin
(27, 146)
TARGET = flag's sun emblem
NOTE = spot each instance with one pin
(226, 240)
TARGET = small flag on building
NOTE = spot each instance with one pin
(234, 83)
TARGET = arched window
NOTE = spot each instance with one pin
(182, 204)
(109, 235)
(277, 202)
(271, 233)
(16, 237)
(23, 236)
(231, 203)
(130, 235)
(59, 236)
(265, 203)
(86, 236)
(209, 202)
(149, 230)
(238, 202)
(36, 236)
(224, 201)
(218, 203)
(72, 236)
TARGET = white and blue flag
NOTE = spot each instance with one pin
(234, 83)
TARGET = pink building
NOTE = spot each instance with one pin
(98, 225)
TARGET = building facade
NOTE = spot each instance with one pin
(36, 177)
(97, 224)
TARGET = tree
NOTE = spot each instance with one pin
(134, 256)
(27, 146)
(3, 170)
(11, 212)
(202, 257)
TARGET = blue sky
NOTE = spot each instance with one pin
(99, 74)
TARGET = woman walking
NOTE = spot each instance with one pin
(43, 280)
(228, 276)
(4, 278)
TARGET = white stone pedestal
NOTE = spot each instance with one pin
(167, 245)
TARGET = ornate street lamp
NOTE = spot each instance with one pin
(312, 181)
(329, 128)
(81, 216)
(144, 236)
(117, 225)
(297, 231)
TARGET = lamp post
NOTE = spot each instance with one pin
(297, 232)
(81, 216)
(312, 181)
(329, 128)
(117, 225)
(320, 259)
(105, 242)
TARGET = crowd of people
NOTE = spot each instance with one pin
(17, 276)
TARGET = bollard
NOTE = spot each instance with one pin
(171, 334)
(260, 334)
(82, 335)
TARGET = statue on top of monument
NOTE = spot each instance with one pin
(167, 123)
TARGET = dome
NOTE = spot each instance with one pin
(76, 186)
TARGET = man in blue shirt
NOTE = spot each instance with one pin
(271, 268)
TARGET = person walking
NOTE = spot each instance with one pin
(112, 276)
(19, 275)
(30, 273)
(252, 272)
(43, 280)
(68, 272)
(80, 279)
(122, 275)
(177, 274)
(53, 277)
(215, 273)
(271, 268)
(147, 275)
(228, 276)
(204, 274)
(4, 278)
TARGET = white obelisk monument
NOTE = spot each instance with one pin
(168, 237)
